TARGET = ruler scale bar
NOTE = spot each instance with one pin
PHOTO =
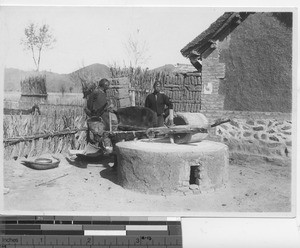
(61, 227)
(146, 228)
(14, 226)
(104, 227)
(105, 232)
(87, 231)
(150, 233)
(97, 240)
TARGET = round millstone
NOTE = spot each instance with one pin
(153, 167)
(196, 119)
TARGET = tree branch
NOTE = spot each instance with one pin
(37, 41)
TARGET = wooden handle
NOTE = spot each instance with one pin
(219, 122)
(159, 131)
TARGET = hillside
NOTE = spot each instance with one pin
(165, 68)
(178, 68)
(54, 81)
(71, 81)
(12, 78)
(97, 71)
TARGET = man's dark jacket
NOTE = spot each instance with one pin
(158, 105)
(96, 102)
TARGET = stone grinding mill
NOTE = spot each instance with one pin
(172, 159)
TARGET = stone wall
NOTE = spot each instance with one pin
(254, 133)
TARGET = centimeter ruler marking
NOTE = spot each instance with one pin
(93, 241)
(69, 231)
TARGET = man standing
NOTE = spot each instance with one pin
(157, 102)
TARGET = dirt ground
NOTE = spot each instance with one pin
(255, 185)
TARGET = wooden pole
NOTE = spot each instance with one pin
(133, 98)
(171, 117)
(12, 141)
(110, 127)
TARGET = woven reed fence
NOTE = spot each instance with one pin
(61, 110)
(33, 135)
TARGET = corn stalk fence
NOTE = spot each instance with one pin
(53, 132)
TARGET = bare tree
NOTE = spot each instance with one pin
(137, 50)
(37, 38)
(62, 89)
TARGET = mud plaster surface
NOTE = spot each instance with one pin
(255, 185)
(163, 167)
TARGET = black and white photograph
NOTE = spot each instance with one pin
(151, 110)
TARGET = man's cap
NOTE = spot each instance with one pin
(156, 83)
(102, 82)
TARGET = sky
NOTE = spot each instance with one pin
(87, 35)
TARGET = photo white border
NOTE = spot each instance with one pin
(226, 232)
(254, 6)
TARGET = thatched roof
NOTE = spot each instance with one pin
(223, 26)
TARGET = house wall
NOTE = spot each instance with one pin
(258, 65)
(251, 69)
(250, 76)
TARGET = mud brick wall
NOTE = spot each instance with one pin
(267, 134)
(118, 94)
(213, 72)
(184, 92)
